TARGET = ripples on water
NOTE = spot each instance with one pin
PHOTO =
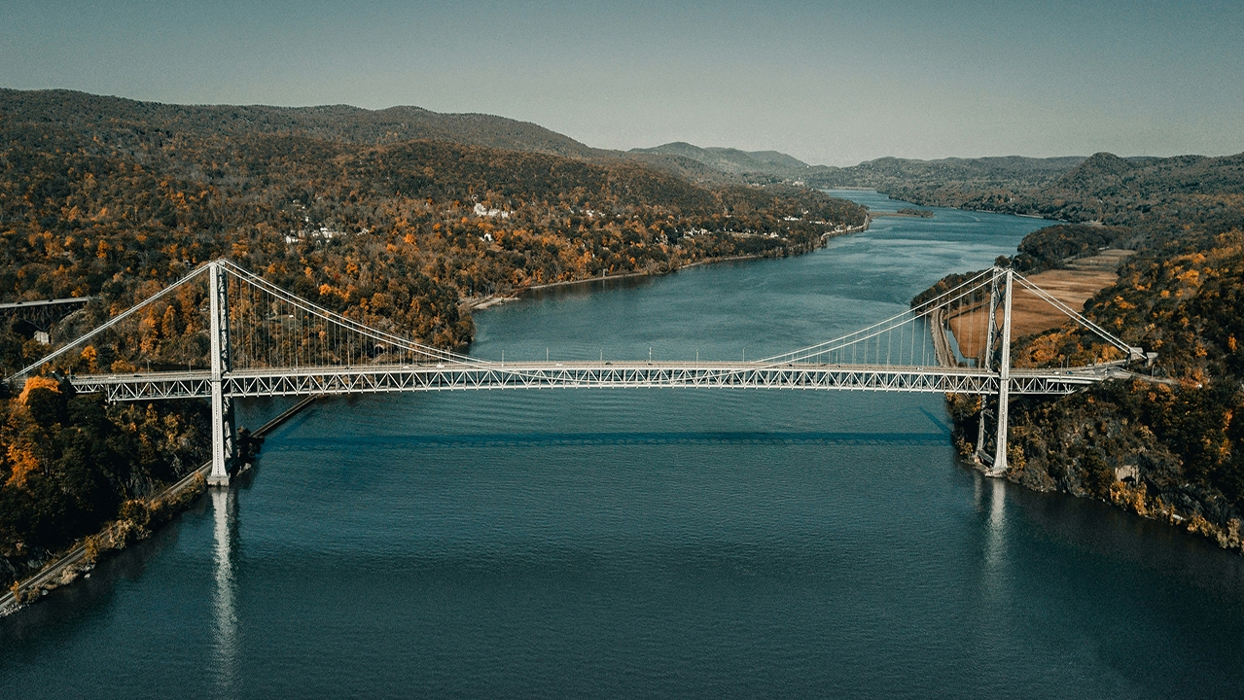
(650, 542)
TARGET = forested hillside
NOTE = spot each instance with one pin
(85, 200)
(1170, 450)
(395, 218)
(1152, 195)
(752, 166)
(85, 113)
(903, 178)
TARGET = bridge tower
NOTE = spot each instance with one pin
(987, 361)
(1000, 290)
(1004, 376)
(224, 437)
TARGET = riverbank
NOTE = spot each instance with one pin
(486, 302)
(80, 559)
(480, 303)
(1102, 444)
(489, 301)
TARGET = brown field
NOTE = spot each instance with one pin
(1073, 285)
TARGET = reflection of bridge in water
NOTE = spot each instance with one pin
(264, 341)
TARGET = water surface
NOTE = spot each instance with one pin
(650, 542)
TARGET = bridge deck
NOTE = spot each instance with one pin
(538, 375)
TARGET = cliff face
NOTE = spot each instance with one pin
(1111, 444)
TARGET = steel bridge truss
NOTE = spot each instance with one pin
(390, 379)
(326, 354)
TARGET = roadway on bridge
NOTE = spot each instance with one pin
(536, 375)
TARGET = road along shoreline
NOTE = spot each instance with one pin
(80, 558)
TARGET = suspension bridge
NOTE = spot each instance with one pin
(222, 333)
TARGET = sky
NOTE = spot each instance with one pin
(828, 82)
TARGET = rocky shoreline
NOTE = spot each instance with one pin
(138, 520)
(1126, 491)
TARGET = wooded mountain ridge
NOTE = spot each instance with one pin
(749, 165)
(337, 123)
(79, 168)
(887, 174)
(341, 123)
(882, 174)
(918, 180)
(1103, 187)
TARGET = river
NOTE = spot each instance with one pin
(650, 542)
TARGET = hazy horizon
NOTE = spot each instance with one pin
(828, 83)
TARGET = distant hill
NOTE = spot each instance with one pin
(886, 173)
(1148, 194)
(732, 161)
(689, 168)
(341, 123)
(1105, 175)
(1095, 170)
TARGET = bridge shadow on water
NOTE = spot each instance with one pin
(354, 442)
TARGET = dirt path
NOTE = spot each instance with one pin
(1073, 285)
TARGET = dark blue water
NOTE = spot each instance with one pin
(650, 543)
